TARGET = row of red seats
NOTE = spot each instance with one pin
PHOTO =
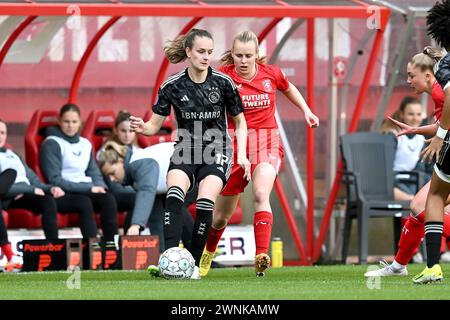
(97, 128)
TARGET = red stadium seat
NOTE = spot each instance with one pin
(164, 135)
(236, 218)
(40, 120)
(98, 127)
(21, 218)
(73, 219)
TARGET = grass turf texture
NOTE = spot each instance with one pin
(288, 283)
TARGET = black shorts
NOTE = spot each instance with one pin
(197, 172)
(444, 156)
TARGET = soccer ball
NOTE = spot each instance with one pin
(176, 263)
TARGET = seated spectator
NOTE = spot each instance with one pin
(407, 153)
(145, 170)
(122, 133)
(13, 262)
(125, 194)
(67, 161)
(30, 193)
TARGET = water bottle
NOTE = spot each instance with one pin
(277, 253)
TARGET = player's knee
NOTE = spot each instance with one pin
(260, 196)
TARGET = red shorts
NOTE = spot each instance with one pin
(263, 145)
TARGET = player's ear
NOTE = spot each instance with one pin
(188, 52)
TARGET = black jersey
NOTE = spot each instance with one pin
(442, 73)
(442, 70)
(200, 109)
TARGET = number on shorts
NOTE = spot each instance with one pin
(221, 159)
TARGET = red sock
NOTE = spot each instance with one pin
(446, 231)
(7, 251)
(411, 237)
(443, 244)
(214, 238)
(262, 224)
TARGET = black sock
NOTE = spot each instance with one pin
(202, 226)
(433, 235)
(173, 220)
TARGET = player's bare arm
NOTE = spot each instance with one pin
(241, 138)
(428, 130)
(297, 99)
(148, 128)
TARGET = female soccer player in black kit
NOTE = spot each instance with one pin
(438, 25)
(203, 155)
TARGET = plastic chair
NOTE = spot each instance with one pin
(40, 120)
(164, 135)
(369, 178)
(98, 127)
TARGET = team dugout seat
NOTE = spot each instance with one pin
(164, 135)
(98, 127)
(73, 220)
(34, 135)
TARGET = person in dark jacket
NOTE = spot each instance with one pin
(13, 263)
(125, 194)
(30, 193)
(67, 161)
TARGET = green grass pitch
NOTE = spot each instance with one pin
(287, 283)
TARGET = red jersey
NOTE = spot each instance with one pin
(438, 96)
(258, 94)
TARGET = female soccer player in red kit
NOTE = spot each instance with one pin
(257, 84)
(422, 80)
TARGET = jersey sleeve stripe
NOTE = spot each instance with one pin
(216, 73)
(172, 79)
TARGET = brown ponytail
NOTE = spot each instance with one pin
(175, 50)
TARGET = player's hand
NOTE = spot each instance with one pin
(97, 189)
(432, 150)
(133, 230)
(245, 164)
(57, 192)
(404, 128)
(137, 124)
(39, 192)
(311, 119)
